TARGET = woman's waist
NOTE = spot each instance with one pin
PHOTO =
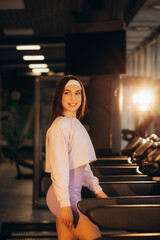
(80, 161)
(76, 176)
(75, 190)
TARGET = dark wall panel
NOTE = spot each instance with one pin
(96, 53)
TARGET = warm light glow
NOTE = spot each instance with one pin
(135, 98)
(36, 74)
(143, 99)
(40, 70)
(33, 57)
(28, 47)
(42, 65)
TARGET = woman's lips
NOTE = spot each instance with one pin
(72, 104)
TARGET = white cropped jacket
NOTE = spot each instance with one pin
(68, 146)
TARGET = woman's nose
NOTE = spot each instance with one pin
(73, 96)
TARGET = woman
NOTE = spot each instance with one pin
(68, 153)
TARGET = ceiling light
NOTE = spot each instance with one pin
(43, 65)
(19, 31)
(40, 70)
(35, 73)
(60, 73)
(11, 5)
(156, 6)
(140, 28)
(51, 73)
(28, 47)
(33, 57)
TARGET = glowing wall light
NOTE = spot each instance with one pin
(143, 99)
(135, 98)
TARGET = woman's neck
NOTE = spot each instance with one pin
(69, 114)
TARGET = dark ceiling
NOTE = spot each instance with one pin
(47, 22)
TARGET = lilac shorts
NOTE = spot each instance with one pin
(75, 186)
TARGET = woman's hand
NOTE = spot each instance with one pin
(67, 217)
(101, 194)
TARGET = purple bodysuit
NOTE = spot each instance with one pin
(75, 185)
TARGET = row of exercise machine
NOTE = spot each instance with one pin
(139, 216)
(119, 216)
(145, 152)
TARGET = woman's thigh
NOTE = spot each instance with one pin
(63, 232)
(86, 230)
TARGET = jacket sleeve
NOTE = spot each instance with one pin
(57, 155)
(90, 181)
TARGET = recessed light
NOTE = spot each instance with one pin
(42, 65)
(40, 70)
(35, 73)
(51, 73)
(155, 6)
(140, 28)
(60, 73)
(18, 31)
(28, 47)
(33, 57)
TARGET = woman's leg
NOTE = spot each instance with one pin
(86, 230)
(63, 232)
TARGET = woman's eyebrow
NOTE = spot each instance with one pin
(70, 90)
(67, 90)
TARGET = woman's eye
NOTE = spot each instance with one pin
(78, 93)
(66, 93)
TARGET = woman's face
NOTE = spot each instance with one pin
(71, 100)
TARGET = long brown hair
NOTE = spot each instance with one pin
(57, 108)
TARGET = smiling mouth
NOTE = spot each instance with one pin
(72, 104)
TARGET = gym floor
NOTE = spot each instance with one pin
(16, 197)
